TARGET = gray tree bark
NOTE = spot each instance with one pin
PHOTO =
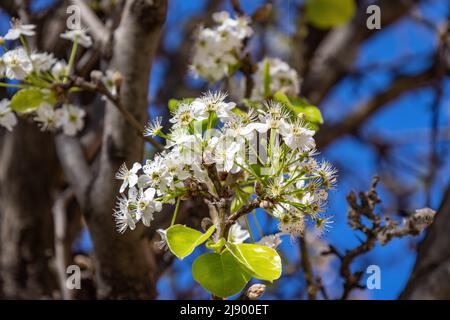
(430, 278)
(26, 221)
(135, 42)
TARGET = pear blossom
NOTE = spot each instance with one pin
(7, 117)
(218, 49)
(78, 35)
(146, 206)
(297, 136)
(237, 234)
(42, 62)
(162, 244)
(60, 69)
(200, 161)
(46, 116)
(271, 241)
(70, 119)
(17, 64)
(129, 177)
(213, 103)
(125, 212)
(18, 29)
(282, 78)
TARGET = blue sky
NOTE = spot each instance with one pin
(403, 119)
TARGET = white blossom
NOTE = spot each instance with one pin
(271, 241)
(7, 117)
(282, 78)
(42, 62)
(218, 49)
(297, 136)
(237, 234)
(162, 244)
(46, 116)
(70, 119)
(129, 177)
(17, 64)
(146, 206)
(18, 29)
(78, 35)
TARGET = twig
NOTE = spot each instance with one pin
(99, 87)
(308, 269)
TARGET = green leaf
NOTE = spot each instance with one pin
(260, 261)
(283, 98)
(215, 246)
(325, 14)
(242, 197)
(220, 274)
(27, 100)
(300, 105)
(183, 240)
(266, 78)
(312, 113)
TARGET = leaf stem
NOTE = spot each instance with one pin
(175, 213)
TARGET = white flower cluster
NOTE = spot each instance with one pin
(69, 118)
(282, 78)
(214, 151)
(40, 69)
(218, 50)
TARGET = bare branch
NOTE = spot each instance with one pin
(357, 118)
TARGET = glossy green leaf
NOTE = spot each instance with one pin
(183, 240)
(300, 105)
(27, 100)
(260, 261)
(220, 274)
(282, 97)
(325, 14)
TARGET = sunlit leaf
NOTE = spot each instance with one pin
(220, 274)
(260, 261)
(183, 240)
(27, 100)
(325, 14)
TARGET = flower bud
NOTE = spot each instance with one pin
(256, 291)
(117, 79)
(96, 76)
(265, 204)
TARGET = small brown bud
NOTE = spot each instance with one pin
(256, 291)
(265, 204)
(117, 79)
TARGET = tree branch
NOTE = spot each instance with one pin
(336, 52)
(355, 119)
